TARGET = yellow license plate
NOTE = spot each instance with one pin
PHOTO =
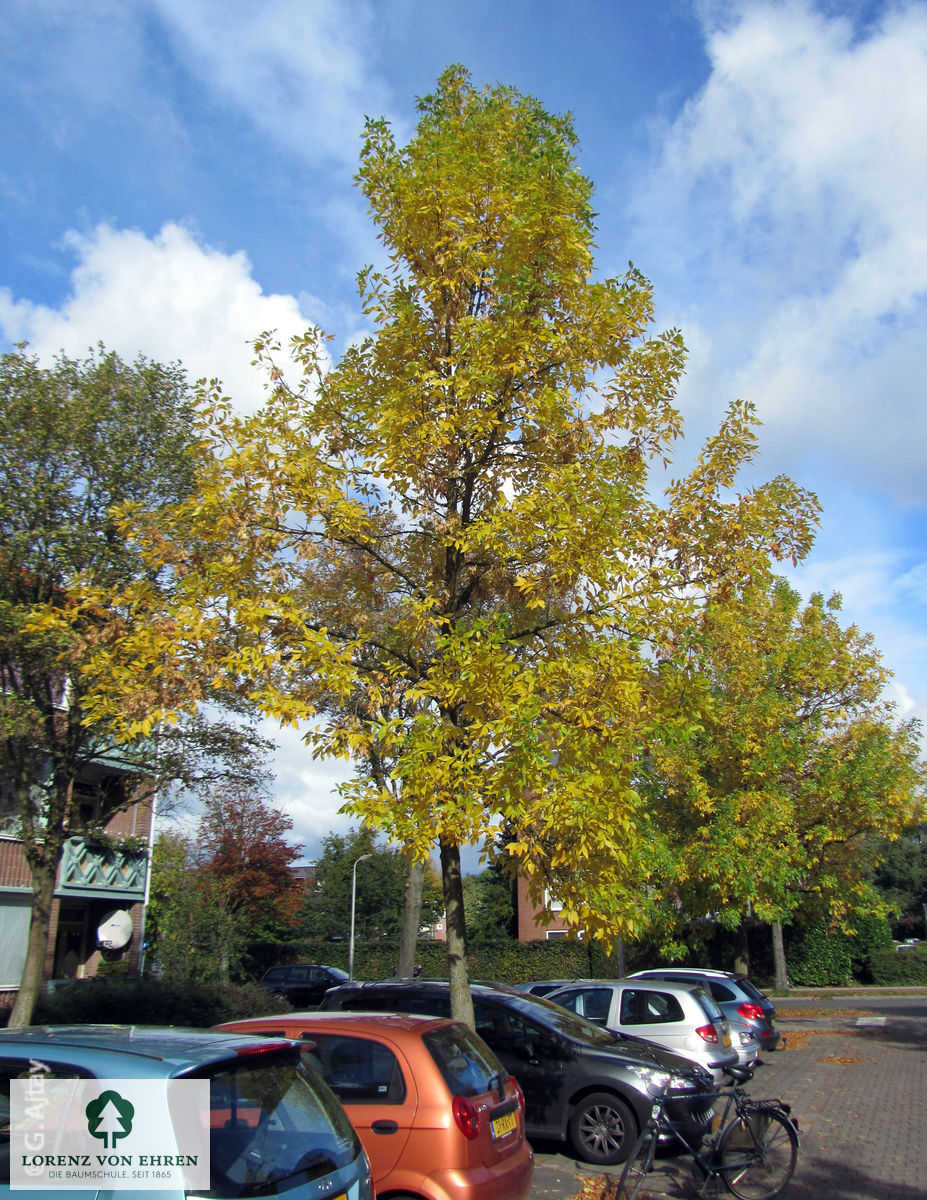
(772, 1024)
(727, 1039)
(503, 1126)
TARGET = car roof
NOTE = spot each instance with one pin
(156, 1050)
(545, 982)
(706, 972)
(322, 966)
(627, 981)
(385, 1022)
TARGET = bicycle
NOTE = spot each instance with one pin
(753, 1155)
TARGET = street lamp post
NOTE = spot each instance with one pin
(353, 900)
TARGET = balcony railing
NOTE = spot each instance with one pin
(88, 870)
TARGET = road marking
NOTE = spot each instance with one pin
(871, 1020)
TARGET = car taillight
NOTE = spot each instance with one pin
(750, 1012)
(519, 1094)
(708, 1033)
(466, 1116)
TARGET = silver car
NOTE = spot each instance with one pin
(683, 1019)
(739, 999)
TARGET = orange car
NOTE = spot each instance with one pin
(435, 1110)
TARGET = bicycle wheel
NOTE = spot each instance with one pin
(637, 1166)
(757, 1154)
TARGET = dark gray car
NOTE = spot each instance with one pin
(582, 1084)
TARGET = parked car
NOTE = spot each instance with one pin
(683, 1019)
(274, 1128)
(303, 984)
(437, 1113)
(582, 1084)
(736, 996)
(543, 987)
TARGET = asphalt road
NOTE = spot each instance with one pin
(914, 1005)
(857, 1084)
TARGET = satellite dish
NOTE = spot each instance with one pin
(115, 930)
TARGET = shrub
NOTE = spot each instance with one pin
(873, 934)
(818, 958)
(905, 968)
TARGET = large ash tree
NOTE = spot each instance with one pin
(444, 548)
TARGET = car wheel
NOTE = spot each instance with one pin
(602, 1129)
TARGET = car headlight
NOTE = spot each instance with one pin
(653, 1080)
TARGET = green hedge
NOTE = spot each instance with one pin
(818, 958)
(821, 957)
(894, 968)
(502, 962)
(152, 1002)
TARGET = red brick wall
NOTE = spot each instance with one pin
(533, 922)
(14, 872)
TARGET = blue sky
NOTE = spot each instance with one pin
(176, 176)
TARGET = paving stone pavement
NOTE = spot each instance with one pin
(858, 1087)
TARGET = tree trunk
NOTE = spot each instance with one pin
(30, 986)
(411, 920)
(225, 974)
(741, 950)
(456, 925)
(781, 968)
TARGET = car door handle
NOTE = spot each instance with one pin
(384, 1126)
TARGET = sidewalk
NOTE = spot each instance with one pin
(858, 1088)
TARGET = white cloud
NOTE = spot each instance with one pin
(170, 297)
(301, 72)
(796, 180)
(306, 789)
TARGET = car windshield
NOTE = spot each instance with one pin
(545, 1012)
(270, 1119)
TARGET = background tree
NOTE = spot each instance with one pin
(490, 902)
(447, 544)
(242, 861)
(794, 759)
(76, 440)
(381, 888)
(228, 883)
(898, 870)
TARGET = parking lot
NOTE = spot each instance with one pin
(857, 1084)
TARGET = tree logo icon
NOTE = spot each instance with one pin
(109, 1117)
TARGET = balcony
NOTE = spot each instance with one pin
(101, 871)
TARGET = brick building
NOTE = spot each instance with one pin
(535, 924)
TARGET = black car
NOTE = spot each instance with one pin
(582, 1084)
(303, 984)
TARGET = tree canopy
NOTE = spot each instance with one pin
(794, 760)
(228, 883)
(381, 886)
(447, 549)
(77, 439)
